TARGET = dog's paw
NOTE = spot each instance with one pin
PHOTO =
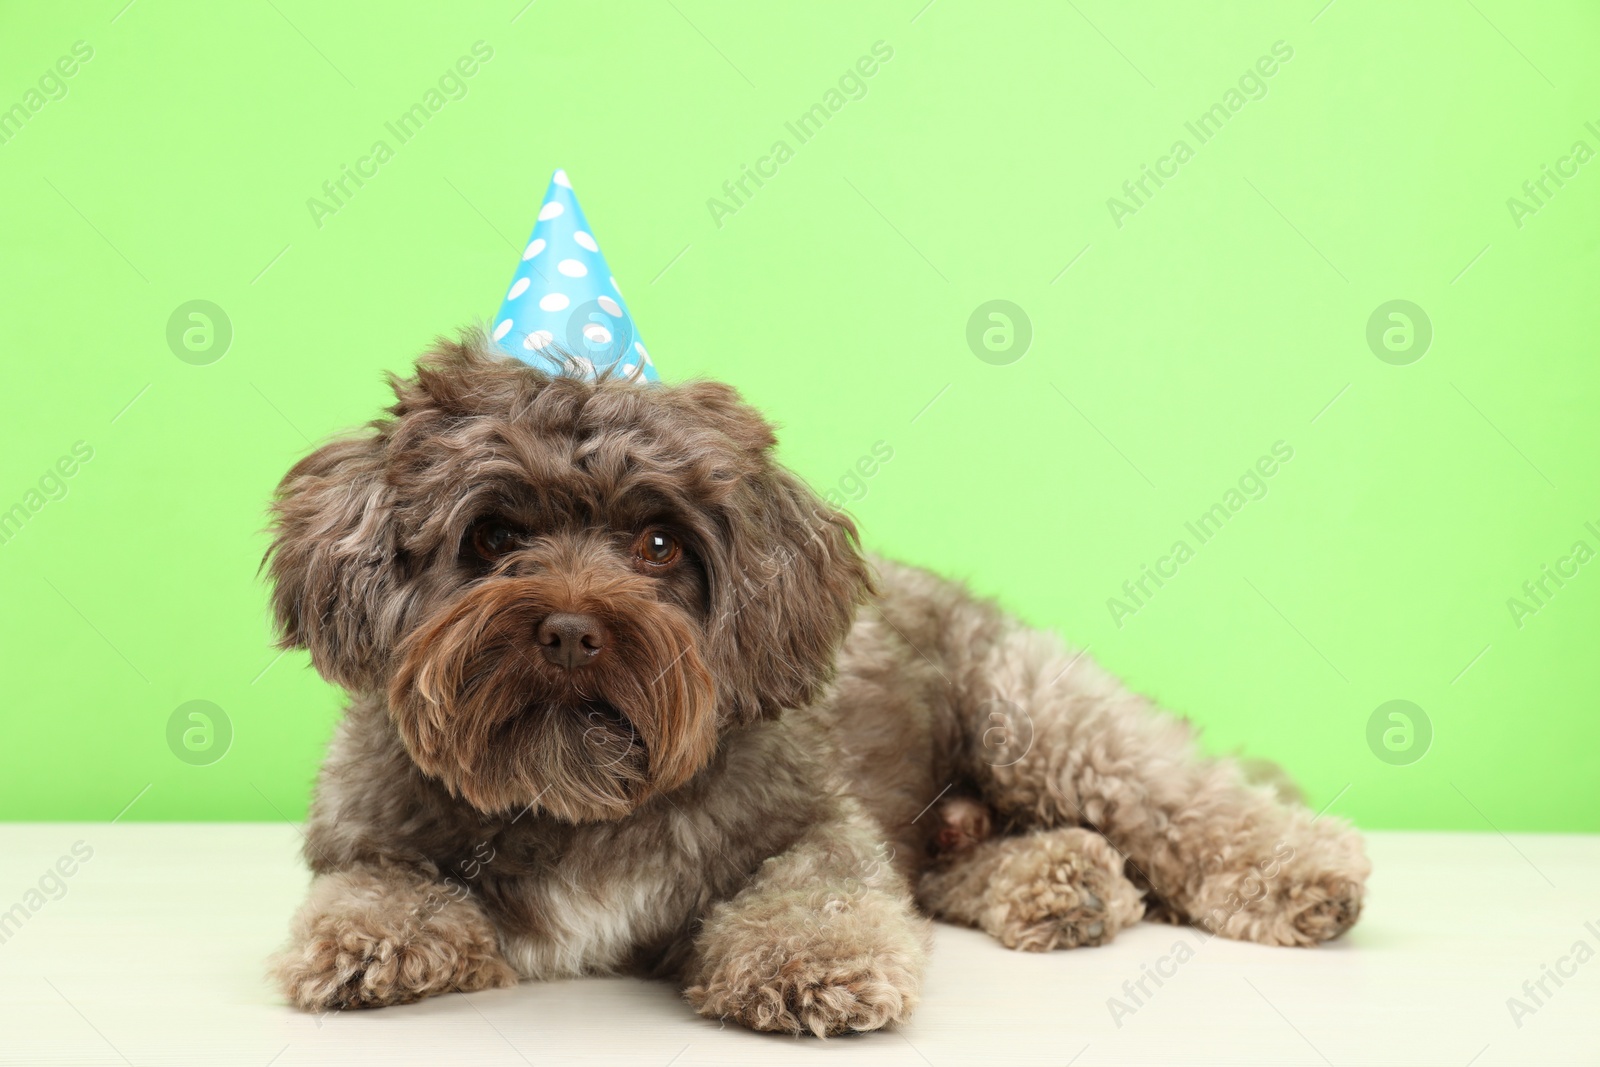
(1039, 891)
(343, 964)
(1299, 912)
(1065, 889)
(1313, 896)
(820, 962)
(808, 995)
(364, 941)
(1321, 910)
(1309, 911)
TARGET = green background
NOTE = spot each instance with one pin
(1228, 313)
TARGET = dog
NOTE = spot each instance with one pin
(627, 697)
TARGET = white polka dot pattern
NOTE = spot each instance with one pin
(563, 312)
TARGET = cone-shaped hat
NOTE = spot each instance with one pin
(563, 312)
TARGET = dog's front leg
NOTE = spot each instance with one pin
(824, 939)
(376, 935)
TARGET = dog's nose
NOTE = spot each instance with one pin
(571, 640)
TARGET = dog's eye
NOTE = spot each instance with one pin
(492, 539)
(657, 548)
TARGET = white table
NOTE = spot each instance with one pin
(154, 955)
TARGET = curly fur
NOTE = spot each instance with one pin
(1038, 891)
(383, 935)
(734, 793)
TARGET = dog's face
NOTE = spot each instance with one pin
(567, 589)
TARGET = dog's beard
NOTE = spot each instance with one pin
(480, 709)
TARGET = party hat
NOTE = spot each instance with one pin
(563, 312)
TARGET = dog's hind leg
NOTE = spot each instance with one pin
(1050, 739)
(1041, 890)
(1059, 741)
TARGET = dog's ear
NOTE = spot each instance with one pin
(798, 577)
(788, 579)
(720, 406)
(333, 554)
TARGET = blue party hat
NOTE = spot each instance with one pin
(563, 312)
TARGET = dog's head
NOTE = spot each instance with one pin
(567, 589)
